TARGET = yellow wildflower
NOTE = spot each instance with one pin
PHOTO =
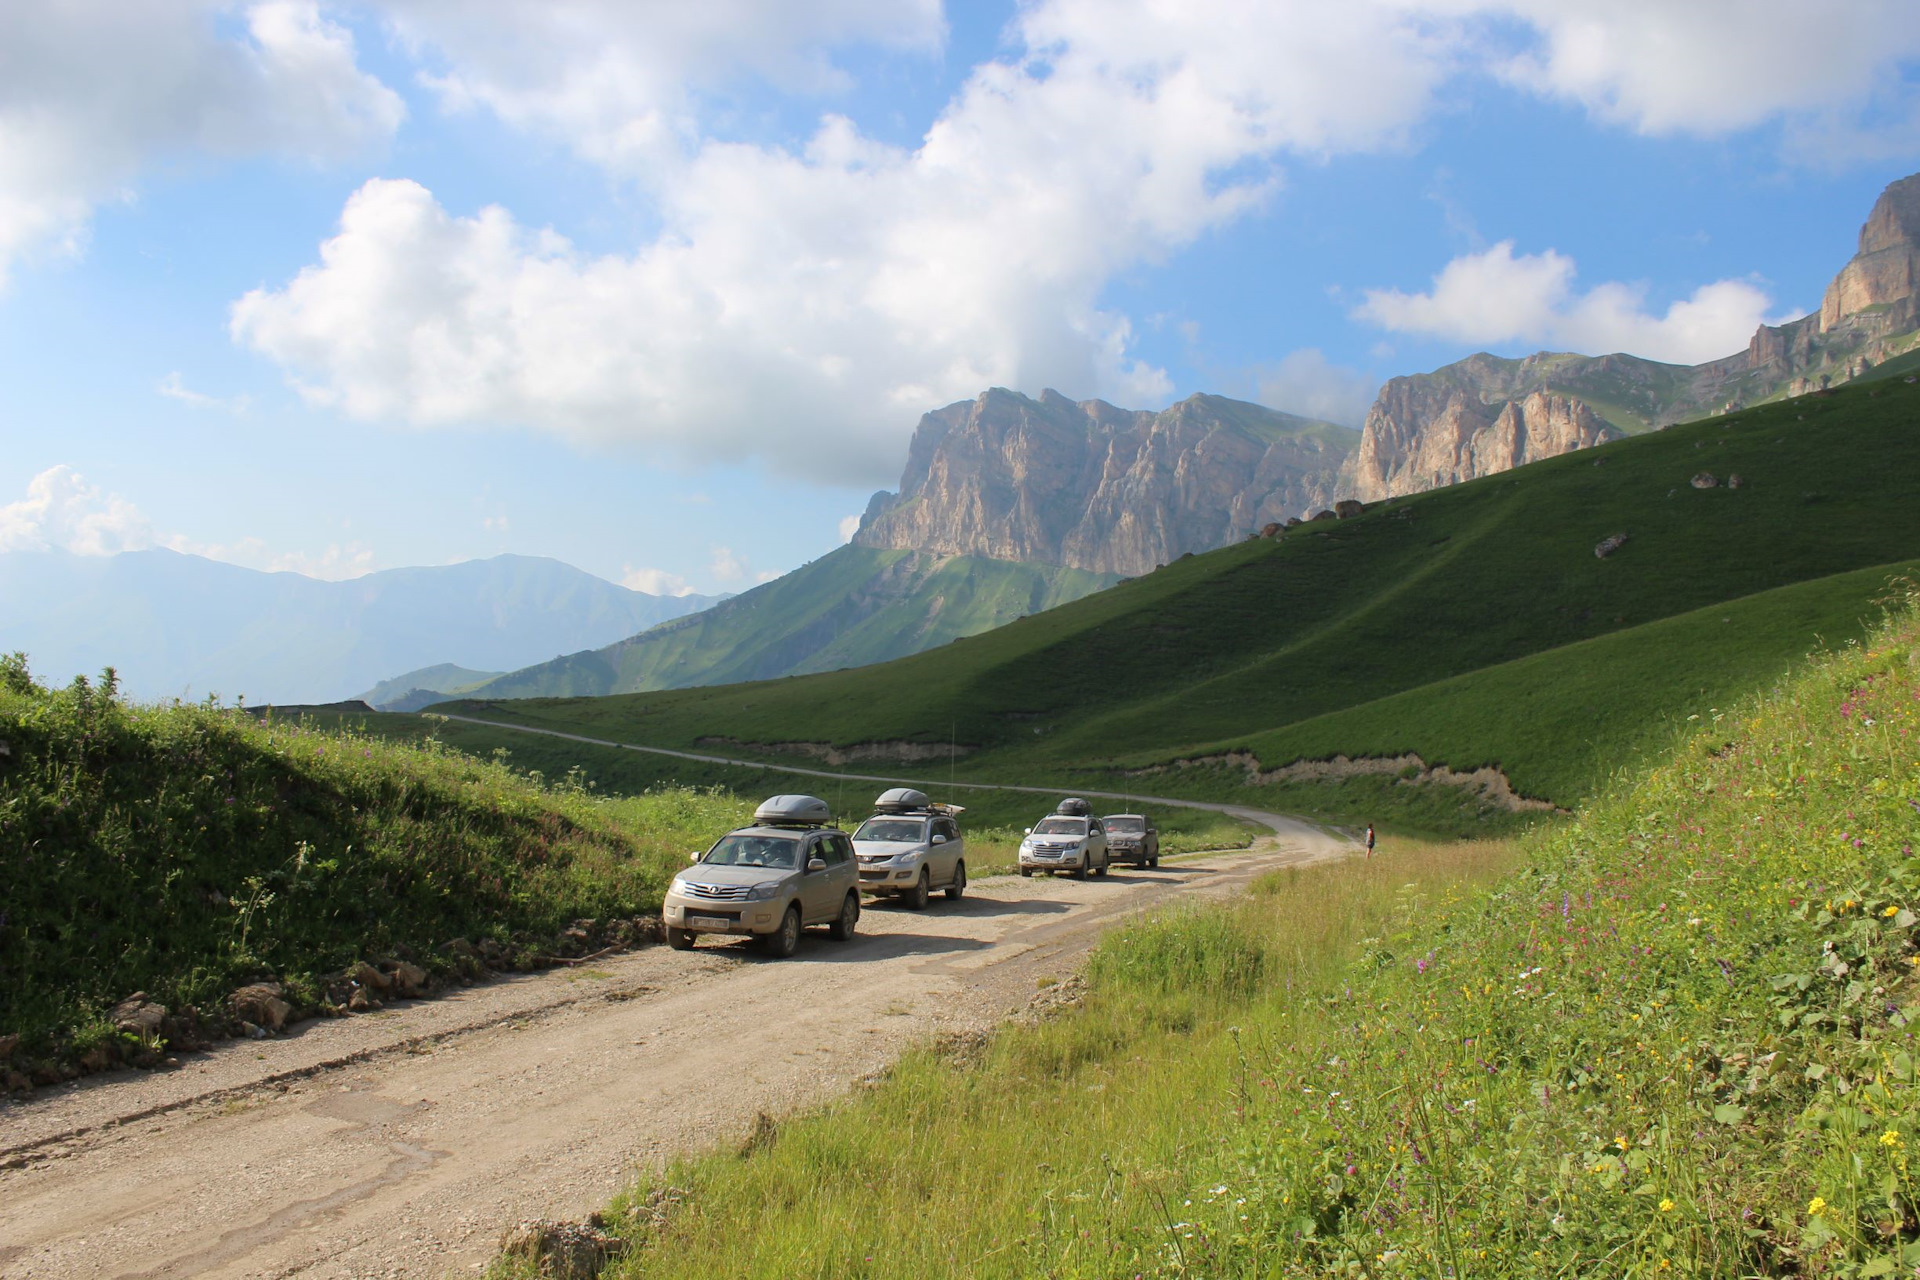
(1891, 911)
(1891, 1138)
(1816, 1204)
(1666, 1206)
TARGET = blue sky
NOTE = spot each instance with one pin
(661, 290)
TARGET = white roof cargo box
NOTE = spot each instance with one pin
(793, 811)
(901, 800)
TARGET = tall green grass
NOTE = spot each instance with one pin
(183, 850)
(1675, 1038)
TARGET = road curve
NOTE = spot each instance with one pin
(1279, 822)
(402, 1142)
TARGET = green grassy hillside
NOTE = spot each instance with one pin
(1678, 1038)
(183, 851)
(1267, 634)
(854, 606)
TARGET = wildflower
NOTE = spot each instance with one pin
(1816, 1204)
(1891, 911)
(1666, 1206)
(1891, 1138)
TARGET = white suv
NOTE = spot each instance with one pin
(910, 848)
(1066, 841)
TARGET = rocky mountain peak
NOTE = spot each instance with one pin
(1087, 485)
(1884, 276)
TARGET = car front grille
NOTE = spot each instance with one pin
(715, 892)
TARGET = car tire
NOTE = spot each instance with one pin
(785, 940)
(1106, 864)
(1026, 873)
(680, 939)
(1080, 872)
(958, 887)
(917, 897)
(841, 930)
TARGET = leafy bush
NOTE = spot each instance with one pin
(182, 850)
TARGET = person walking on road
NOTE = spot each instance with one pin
(1369, 840)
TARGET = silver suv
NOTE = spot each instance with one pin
(910, 847)
(1069, 839)
(769, 880)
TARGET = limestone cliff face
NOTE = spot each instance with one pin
(1422, 434)
(1885, 273)
(1486, 414)
(1090, 486)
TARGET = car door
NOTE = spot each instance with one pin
(1096, 839)
(946, 854)
(844, 868)
(818, 901)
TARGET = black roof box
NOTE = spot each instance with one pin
(1073, 807)
(901, 800)
(793, 811)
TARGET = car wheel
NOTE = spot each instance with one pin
(1026, 873)
(785, 940)
(841, 930)
(1154, 862)
(1105, 863)
(680, 939)
(959, 885)
(922, 890)
(1080, 872)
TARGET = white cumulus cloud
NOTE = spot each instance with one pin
(93, 91)
(1305, 382)
(655, 582)
(1496, 296)
(63, 511)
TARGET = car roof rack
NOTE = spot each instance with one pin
(793, 811)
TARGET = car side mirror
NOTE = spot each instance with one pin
(816, 864)
(694, 856)
(1028, 831)
(939, 839)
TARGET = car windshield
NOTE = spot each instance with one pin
(754, 851)
(1131, 826)
(1060, 827)
(893, 830)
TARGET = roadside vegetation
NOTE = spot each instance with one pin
(1408, 627)
(183, 851)
(1671, 1036)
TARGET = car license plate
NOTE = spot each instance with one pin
(709, 922)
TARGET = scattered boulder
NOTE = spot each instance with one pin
(139, 1016)
(1294, 522)
(405, 978)
(361, 1002)
(7, 1045)
(18, 1082)
(1270, 530)
(562, 1250)
(1736, 481)
(262, 1004)
(98, 1058)
(1348, 508)
(1705, 480)
(1325, 515)
(370, 978)
(1609, 544)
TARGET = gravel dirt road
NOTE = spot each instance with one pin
(401, 1143)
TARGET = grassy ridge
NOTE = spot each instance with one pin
(1264, 635)
(1676, 1039)
(185, 850)
(1558, 722)
(853, 606)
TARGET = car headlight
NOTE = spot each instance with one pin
(911, 855)
(761, 892)
(1026, 846)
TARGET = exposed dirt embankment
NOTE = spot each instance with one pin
(1486, 782)
(897, 751)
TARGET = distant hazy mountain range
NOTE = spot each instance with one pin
(182, 626)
